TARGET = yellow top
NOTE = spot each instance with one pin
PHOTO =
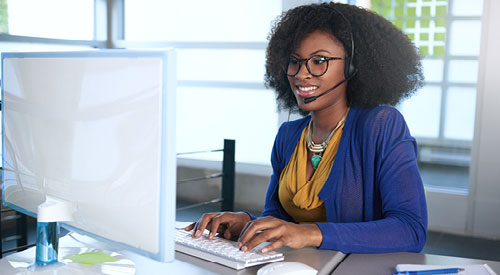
(299, 196)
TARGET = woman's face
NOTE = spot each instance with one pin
(304, 84)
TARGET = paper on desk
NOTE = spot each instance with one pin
(91, 258)
(477, 269)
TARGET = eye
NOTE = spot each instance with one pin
(293, 61)
(318, 59)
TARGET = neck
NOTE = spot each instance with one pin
(325, 121)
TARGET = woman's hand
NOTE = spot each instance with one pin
(229, 224)
(280, 233)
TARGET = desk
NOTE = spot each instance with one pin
(383, 264)
(325, 261)
(129, 263)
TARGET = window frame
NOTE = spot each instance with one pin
(109, 34)
(441, 142)
(99, 41)
(469, 215)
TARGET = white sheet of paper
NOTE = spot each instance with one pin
(479, 269)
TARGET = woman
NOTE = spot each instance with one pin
(345, 176)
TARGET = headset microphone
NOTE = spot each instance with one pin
(313, 98)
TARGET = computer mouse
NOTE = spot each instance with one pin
(290, 268)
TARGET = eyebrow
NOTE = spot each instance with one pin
(314, 53)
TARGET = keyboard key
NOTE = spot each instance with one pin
(222, 251)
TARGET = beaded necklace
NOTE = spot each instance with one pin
(318, 149)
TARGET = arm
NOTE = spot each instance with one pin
(230, 223)
(272, 205)
(393, 184)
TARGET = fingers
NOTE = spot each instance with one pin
(217, 225)
(252, 227)
(250, 235)
(202, 223)
(190, 227)
(244, 231)
(227, 234)
(214, 223)
(273, 246)
(253, 233)
(265, 236)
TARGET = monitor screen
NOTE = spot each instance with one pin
(96, 129)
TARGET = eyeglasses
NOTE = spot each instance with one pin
(316, 65)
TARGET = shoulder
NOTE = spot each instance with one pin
(378, 117)
(290, 128)
(379, 113)
(379, 125)
(298, 122)
(286, 140)
(290, 132)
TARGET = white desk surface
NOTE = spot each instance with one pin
(384, 264)
(131, 263)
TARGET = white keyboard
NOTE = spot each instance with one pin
(221, 251)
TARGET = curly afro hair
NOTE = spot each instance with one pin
(388, 64)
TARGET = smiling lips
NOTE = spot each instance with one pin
(306, 91)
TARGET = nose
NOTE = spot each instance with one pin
(303, 72)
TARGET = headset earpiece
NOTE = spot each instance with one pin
(349, 69)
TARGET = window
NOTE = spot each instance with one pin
(220, 54)
(49, 18)
(199, 21)
(220, 57)
(221, 65)
(447, 34)
(49, 25)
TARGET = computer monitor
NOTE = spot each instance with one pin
(96, 129)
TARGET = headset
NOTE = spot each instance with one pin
(349, 69)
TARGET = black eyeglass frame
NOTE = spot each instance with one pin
(301, 60)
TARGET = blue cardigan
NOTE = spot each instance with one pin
(374, 196)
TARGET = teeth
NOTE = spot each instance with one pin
(307, 89)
